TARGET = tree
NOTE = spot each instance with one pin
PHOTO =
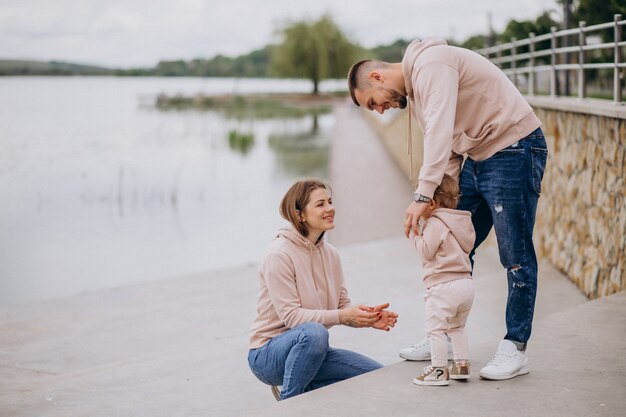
(314, 50)
(522, 29)
(598, 11)
(474, 42)
(392, 52)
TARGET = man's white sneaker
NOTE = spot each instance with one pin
(507, 363)
(421, 351)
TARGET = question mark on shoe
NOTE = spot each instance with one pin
(439, 373)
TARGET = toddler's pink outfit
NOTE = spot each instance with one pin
(444, 244)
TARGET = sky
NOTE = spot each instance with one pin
(140, 33)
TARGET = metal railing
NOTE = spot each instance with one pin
(527, 66)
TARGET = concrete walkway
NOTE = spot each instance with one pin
(178, 347)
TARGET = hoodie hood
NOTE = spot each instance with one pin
(457, 221)
(414, 50)
(294, 236)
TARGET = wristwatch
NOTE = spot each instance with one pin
(419, 198)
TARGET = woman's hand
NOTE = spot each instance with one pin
(387, 319)
(359, 316)
(366, 316)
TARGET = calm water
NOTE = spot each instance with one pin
(99, 189)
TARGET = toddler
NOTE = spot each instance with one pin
(444, 243)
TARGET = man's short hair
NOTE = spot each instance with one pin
(357, 76)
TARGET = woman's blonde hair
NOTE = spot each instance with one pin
(295, 201)
(447, 194)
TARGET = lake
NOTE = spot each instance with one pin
(101, 189)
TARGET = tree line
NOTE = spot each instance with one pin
(318, 49)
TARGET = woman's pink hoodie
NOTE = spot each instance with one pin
(299, 282)
(444, 244)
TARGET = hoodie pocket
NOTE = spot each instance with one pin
(465, 143)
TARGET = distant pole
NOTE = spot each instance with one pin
(491, 37)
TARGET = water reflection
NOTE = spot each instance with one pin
(240, 142)
(101, 191)
(302, 153)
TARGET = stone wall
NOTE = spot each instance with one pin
(581, 220)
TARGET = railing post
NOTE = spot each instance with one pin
(553, 77)
(617, 82)
(531, 65)
(513, 63)
(582, 41)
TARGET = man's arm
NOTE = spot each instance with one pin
(437, 85)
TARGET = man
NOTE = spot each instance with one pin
(466, 106)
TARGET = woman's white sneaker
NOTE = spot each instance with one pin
(507, 363)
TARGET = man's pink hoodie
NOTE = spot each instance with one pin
(444, 245)
(464, 105)
(299, 282)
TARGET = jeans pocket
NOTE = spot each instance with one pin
(539, 157)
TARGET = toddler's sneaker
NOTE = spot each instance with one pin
(507, 363)
(421, 351)
(433, 375)
(459, 370)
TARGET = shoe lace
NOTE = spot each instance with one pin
(427, 370)
(499, 358)
(419, 345)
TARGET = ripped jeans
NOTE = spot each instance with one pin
(502, 192)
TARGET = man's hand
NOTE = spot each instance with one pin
(413, 214)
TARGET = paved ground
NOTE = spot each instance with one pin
(177, 347)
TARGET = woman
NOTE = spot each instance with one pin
(302, 294)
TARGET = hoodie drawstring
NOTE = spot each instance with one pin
(325, 279)
(410, 144)
(311, 263)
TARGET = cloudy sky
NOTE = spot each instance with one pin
(125, 33)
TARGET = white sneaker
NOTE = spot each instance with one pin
(421, 351)
(507, 363)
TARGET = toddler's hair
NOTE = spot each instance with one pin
(447, 194)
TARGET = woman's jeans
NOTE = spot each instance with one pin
(502, 192)
(300, 360)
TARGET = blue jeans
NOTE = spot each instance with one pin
(502, 192)
(300, 360)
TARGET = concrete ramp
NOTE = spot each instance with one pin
(578, 368)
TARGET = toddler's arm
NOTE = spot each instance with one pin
(429, 239)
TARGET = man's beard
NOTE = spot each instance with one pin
(397, 97)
